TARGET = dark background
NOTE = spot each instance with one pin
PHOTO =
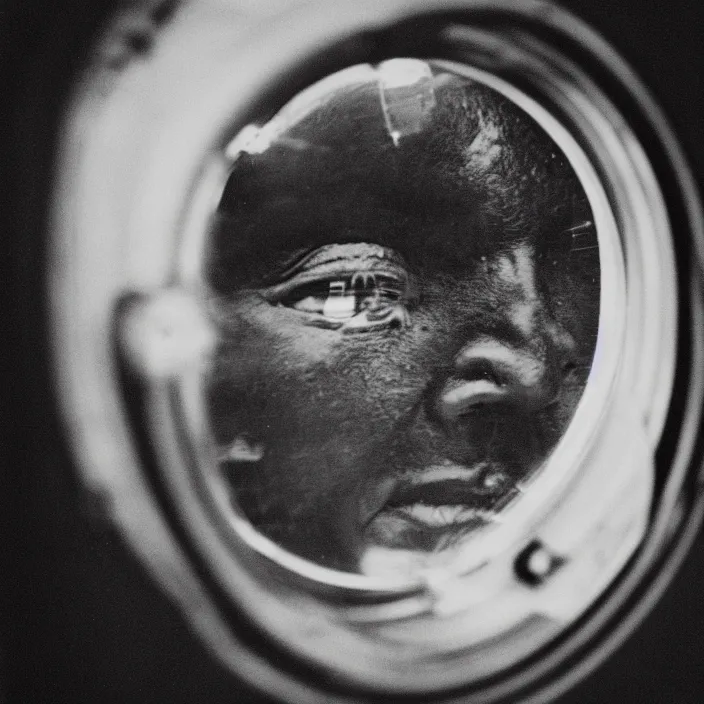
(82, 622)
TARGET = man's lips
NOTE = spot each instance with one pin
(449, 484)
(445, 486)
(445, 516)
(425, 507)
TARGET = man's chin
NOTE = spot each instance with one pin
(401, 564)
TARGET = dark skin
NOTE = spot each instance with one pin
(405, 412)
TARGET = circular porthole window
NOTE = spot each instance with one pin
(404, 276)
(370, 325)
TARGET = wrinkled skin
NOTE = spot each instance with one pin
(458, 384)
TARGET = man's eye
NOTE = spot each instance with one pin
(344, 298)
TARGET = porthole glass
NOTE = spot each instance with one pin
(403, 272)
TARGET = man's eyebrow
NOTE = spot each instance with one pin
(363, 253)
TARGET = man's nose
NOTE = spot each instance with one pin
(526, 376)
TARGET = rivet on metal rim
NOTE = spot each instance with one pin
(535, 563)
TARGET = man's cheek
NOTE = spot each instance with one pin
(261, 346)
(283, 399)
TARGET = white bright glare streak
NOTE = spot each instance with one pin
(396, 73)
(251, 139)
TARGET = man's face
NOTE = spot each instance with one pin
(395, 361)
